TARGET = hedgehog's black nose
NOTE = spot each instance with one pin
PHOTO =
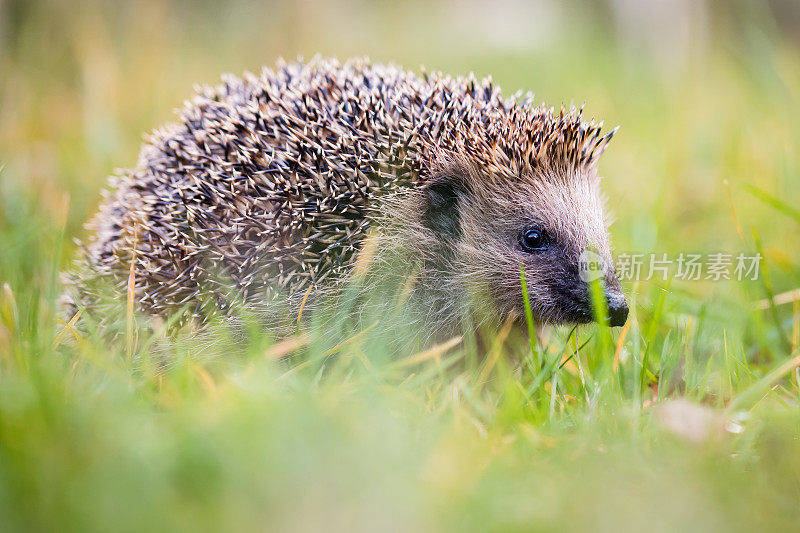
(617, 309)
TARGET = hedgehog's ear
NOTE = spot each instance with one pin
(443, 194)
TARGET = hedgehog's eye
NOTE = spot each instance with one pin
(533, 239)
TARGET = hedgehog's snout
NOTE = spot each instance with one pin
(615, 301)
(617, 309)
(616, 306)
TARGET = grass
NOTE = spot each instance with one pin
(687, 418)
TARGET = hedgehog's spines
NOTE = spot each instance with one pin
(268, 179)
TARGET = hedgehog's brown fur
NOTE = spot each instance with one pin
(270, 182)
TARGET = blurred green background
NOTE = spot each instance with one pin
(707, 93)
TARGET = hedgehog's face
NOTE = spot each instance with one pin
(546, 224)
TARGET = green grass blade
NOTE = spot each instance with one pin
(529, 319)
(773, 201)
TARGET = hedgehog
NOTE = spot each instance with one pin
(284, 185)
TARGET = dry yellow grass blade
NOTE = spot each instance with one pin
(779, 299)
(365, 256)
(8, 310)
(434, 352)
(620, 344)
(131, 336)
(408, 286)
(796, 325)
(733, 210)
(286, 346)
(497, 345)
(205, 379)
(303, 304)
(68, 327)
(328, 352)
(294, 370)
